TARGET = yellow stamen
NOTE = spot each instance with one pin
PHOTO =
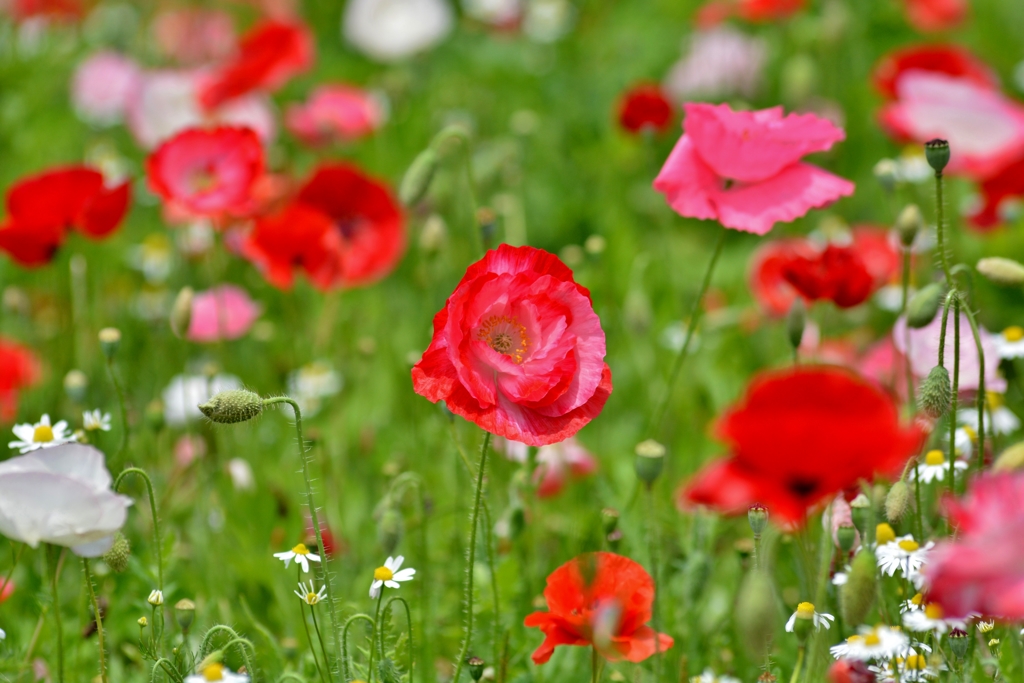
(909, 545)
(933, 611)
(301, 549)
(884, 534)
(1014, 333)
(935, 457)
(42, 434)
(383, 574)
(214, 672)
(505, 335)
(805, 610)
(853, 640)
(312, 598)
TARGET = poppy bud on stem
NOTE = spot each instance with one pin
(1002, 271)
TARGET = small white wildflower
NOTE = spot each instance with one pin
(805, 610)
(1010, 344)
(389, 575)
(301, 554)
(930, 619)
(904, 554)
(41, 435)
(935, 467)
(216, 672)
(156, 598)
(310, 596)
(880, 642)
(709, 677)
(94, 420)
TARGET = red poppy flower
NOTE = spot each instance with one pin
(518, 349)
(935, 15)
(208, 172)
(42, 208)
(18, 369)
(268, 55)
(877, 248)
(799, 436)
(717, 11)
(837, 274)
(343, 229)
(601, 600)
(645, 106)
(767, 281)
(1007, 184)
(6, 589)
(951, 60)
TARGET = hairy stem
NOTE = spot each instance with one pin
(55, 563)
(99, 618)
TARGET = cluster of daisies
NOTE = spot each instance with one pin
(45, 434)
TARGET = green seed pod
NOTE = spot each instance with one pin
(936, 152)
(796, 320)
(936, 392)
(229, 407)
(858, 593)
(650, 461)
(110, 341)
(959, 642)
(476, 667)
(1002, 271)
(185, 613)
(846, 537)
(418, 177)
(757, 517)
(898, 501)
(117, 557)
(756, 613)
(923, 306)
(909, 224)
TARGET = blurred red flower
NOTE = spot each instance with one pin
(557, 462)
(850, 671)
(935, 15)
(343, 229)
(643, 107)
(6, 589)
(43, 207)
(951, 60)
(995, 191)
(334, 113)
(518, 349)
(744, 168)
(62, 10)
(767, 281)
(717, 11)
(982, 571)
(18, 369)
(208, 172)
(837, 274)
(268, 56)
(799, 436)
(601, 600)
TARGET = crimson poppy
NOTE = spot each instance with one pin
(767, 280)
(799, 436)
(645, 107)
(951, 60)
(837, 274)
(601, 600)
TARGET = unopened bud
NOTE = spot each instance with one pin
(846, 536)
(936, 392)
(418, 177)
(958, 643)
(487, 221)
(476, 667)
(156, 598)
(937, 153)
(75, 384)
(609, 520)
(860, 511)
(230, 407)
(181, 312)
(388, 671)
(923, 306)
(909, 223)
(897, 502)
(185, 613)
(757, 517)
(117, 557)
(155, 414)
(1002, 271)
(143, 622)
(755, 612)
(650, 460)
(796, 320)
(857, 595)
(1010, 459)
(110, 341)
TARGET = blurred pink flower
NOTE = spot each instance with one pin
(102, 85)
(187, 449)
(924, 351)
(743, 168)
(984, 128)
(6, 589)
(335, 112)
(982, 571)
(559, 461)
(193, 36)
(721, 62)
(224, 312)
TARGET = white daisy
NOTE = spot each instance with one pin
(805, 610)
(216, 672)
(94, 419)
(1010, 344)
(880, 642)
(930, 619)
(908, 669)
(41, 435)
(310, 596)
(389, 575)
(709, 677)
(998, 418)
(963, 441)
(912, 604)
(905, 554)
(300, 554)
(935, 467)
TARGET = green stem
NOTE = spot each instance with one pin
(312, 514)
(408, 621)
(955, 397)
(373, 635)
(347, 667)
(799, 665)
(14, 565)
(593, 663)
(99, 619)
(940, 230)
(489, 542)
(319, 637)
(58, 626)
(652, 544)
(473, 523)
(121, 405)
(691, 326)
(907, 368)
(981, 385)
(917, 501)
(156, 520)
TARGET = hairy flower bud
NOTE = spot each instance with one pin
(756, 613)
(110, 341)
(389, 673)
(181, 312)
(909, 223)
(897, 502)
(117, 557)
(1002, 271)
(923, 306)
(936, 152)
(235, 405)
(858, 593)
(418, 177)
(936, 392)
(650, 460)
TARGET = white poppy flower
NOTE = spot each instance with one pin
(41, 435)
(216, 672)
(94, 420)
(388, 30)
(389, 575)
(300, 554)
(62, 496)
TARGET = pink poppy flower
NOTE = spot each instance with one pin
(982, 571)
(102, 86)
(557, 462)
(840, 515)
(208, 172)
(935, 15)
(194, 36)
(985, 129)
(334, 112)
(924, 351)
(743, 168)
(518, 349)
(225, 312)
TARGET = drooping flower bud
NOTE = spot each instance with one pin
(1002, 271)
(609, 520)
(886, 174)
(858, 593)
(936, 152)
(185, 613)
(796, 320)
(487, 222)
(757, 517)
(181, 312)
(936, 392)
(897, 502)
(923, 306)
(755, 612)
(418, 177)
(117, 557)
(476, 667)
(230, 407)
(388, 671)
(110, 341)
(650, 460)
(909, 223)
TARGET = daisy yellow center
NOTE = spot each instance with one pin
(43, 434)
(872, 639)
(935, 457)
(854, 640)
(969, 431)
(214, 672)
(312, 598)
(915, 662)
(933, 611)
(383, 574)
(505, 335)
(1014, 333)
(909, 545)
(805, 610)
(301, 549)
(884, 534)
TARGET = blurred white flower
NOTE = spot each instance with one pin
(300, 554)
(94, 420)
(879, 642)
(312, 383)
(998, 418)
(548, 20)
(494, 12)
(389, 575)
(156, 598)
(388, 30)
(1010, 344)
(185, 392)
(721, 62)
(61, 496)
(930, 618)
(41, 435)
(241, 474)
(3, 634)
(709, 677)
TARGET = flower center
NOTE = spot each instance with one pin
(805, 610)
(917, 599)
(933, 611)
(383, 574)
(935, 457)
(43, 434)
(505, 335)
(301, 549)
(203, 181)
(214, 672)
(1014, 333)
(909, 545)
(915, 662)
(312, 598)
(884, 534)
(872, 639)
(969, 431)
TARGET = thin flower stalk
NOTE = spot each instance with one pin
(99, 619)
(955, 398)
